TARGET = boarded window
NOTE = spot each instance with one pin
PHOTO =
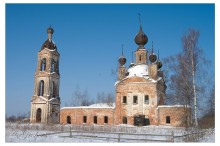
(124, 120)
(95, 119)
(84, 119)
(135, 99)
(146, 99)
(68, 120)
(168, 119)
(124, 99)
(105, 119)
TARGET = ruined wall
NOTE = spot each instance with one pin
(179, 116)
(139, 87)
(77, 114)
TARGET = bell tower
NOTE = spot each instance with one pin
(45, 103)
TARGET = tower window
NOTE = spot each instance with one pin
(84, 119)
(146, 99)
(43, 64)
(124, 99)
(95, 119)
(139, 57)
(124, 119)
(53, 89)
(68, 120)
(41, 88)
(135, 99)
(167, 119)
(53, 66)
(105, 119)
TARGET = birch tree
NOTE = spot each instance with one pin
(184, 71)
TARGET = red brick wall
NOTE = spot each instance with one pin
(77, 114)
(178, 115)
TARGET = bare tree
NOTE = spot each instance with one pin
(105, 98)
(80, 98)
(184, 72)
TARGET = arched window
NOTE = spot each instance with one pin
(53, 66)
(53, 89)
(139, 57)
(43, 64)
(41, 88)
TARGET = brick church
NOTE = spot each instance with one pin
(139, 92)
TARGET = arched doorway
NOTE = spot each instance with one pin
(38, 115)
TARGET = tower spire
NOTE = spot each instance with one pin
(158, 55)
(152, 56)
(139, 16)
(159, 63)
(132, 56)
(152, 48)
(122, 50)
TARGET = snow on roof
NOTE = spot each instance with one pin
(138, 70)
(43, 98)
(97, 105)
(170, 106)
(102, 105)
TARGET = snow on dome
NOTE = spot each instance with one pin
(138, 70)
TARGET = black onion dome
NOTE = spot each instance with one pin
(141, 38)
(50, 30)
(159, 64)
(152, 57)
(122, 60)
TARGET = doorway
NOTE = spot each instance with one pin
(38, 115)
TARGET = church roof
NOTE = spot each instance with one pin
(140, 70)
(49, 44)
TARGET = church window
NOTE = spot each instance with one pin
(41, 88)
(105, 119)
(139, 57)
(146, 99)
(95, 119)
(53, 89)
(68, 120)
(43, 65)
(124, 99)
(84, 119)
(167, 119)
(135, 99)
(124, 119)
(53, 66)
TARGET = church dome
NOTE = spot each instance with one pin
(49, 44)
(159, 64)
(50, 30)
(122, 60)
(141, 38)
(152, 57)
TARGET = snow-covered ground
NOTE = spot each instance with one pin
(79, 133)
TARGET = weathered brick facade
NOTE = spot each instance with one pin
(77, 114)
(179, 115)
(139, 91)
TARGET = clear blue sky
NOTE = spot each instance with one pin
(89, 39)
